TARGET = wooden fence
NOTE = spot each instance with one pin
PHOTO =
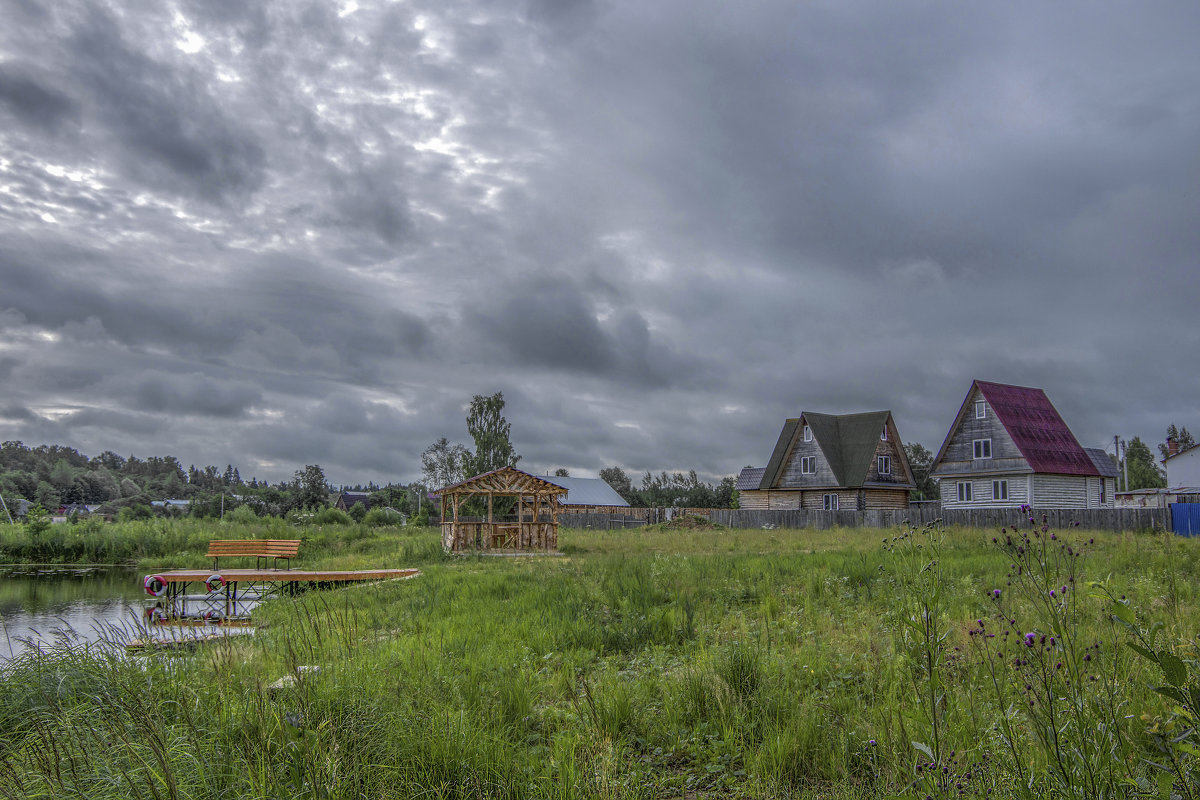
(1120, 519)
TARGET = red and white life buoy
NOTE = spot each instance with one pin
(156, 585)
(214, 582)
(154, 614)
(213, 617)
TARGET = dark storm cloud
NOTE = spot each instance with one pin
(34, 103)
(274, 234)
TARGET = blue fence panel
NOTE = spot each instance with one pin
(1185, 518)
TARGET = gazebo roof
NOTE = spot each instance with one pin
(506, 480)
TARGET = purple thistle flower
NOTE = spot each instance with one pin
(995, 592)
(1030, 639)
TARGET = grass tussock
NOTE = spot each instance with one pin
(671, 663)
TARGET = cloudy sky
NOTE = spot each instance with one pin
(281, 233)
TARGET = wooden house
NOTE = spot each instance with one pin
(1009, 447)
(347, 500)
(832, 462)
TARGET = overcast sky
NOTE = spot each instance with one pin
(282, 233)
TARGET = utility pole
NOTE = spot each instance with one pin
(6, 511)
(1117, 451)
(1125, 462)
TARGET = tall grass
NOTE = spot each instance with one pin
(742, 664)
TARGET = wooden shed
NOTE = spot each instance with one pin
(532, 526)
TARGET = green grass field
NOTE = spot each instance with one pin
(639, 664)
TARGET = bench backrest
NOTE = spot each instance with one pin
(268, 548)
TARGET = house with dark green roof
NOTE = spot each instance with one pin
(834, 462)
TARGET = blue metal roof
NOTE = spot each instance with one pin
(586, 491)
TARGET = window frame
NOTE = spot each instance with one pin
(964, 492)
(1002, 485)
(883, 435)
(810, 462)
(978, 446)
(828, 505)
(807, 433)
(884, 465)
(980, 409)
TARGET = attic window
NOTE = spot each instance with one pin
(885, 465)
(982, 448)
(807, 434)
(883, 436)
(808, 465)
(980, 409)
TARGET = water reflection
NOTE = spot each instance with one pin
(44, 605)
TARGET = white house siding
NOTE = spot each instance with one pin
(981, 491)
(1061, 491)
(1184, 469)
(1094, 493)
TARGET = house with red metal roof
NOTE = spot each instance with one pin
(1009, 447)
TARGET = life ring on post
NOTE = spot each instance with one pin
(156, 585)
(214, 582)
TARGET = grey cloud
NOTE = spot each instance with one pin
(170, 131)
(34, 103)
(192, 394)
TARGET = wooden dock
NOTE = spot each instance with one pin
(285, 575)
(201, 596)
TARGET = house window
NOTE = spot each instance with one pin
(808, 465)
(807, 434)
(885, 465)
(831, 502)
(1102, 488)
(964, 492)
(883, 436)
(983, 448)
(980, 409)
(999, 490)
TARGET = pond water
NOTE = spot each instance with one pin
(41, 604)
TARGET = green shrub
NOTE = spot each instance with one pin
(243, 514)
(379, 517)
(331, 516)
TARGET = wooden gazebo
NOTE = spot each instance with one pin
(532, 528)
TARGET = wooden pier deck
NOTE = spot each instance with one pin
(285, 575)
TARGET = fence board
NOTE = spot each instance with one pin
(1110, 519)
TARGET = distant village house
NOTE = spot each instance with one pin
(831, 462)
(1009, 447)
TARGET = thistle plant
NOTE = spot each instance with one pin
(1055, 691)
(922, 639)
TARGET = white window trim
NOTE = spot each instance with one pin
(980, 409)
(975, 448)
(883, 436)
(830, 502)
(807, 433)
(1002, 485)
(964, 492)
(810, 462)
(884, 463)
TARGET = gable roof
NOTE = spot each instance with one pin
(1104, 465)
(586, 491)
(506, 480)
(1035, 426)
(750, 478)
(848, 442)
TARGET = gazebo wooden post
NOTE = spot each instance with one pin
(491, 526)
(554, 511)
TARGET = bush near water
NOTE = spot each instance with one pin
(670, 663)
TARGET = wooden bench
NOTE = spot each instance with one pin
(259, 549)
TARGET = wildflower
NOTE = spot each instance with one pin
(995, 592)
(1030, 639)
(872, 742)
(1052, 593)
